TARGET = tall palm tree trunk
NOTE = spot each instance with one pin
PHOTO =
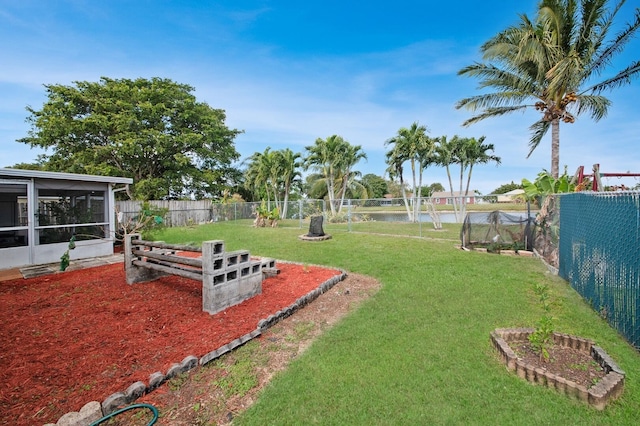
(555, 148)
(453, 198)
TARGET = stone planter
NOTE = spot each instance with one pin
(598, 396)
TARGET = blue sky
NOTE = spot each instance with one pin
(288, 72)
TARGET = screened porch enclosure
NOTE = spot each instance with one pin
(41, 212)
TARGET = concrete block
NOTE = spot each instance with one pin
(268, 263)
(234, 258)
(212, 257)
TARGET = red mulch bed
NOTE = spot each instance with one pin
(80, 336)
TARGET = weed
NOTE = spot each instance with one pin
(176, 382)
(301, 331)
(581, 367)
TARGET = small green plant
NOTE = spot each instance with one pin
(542, 338)
(581, 367)
(494, 248)
(263, 214)
(176, 382)
(65, 259)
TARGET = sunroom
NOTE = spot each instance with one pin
(41, 212)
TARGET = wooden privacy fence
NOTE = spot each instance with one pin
(228, 278)
(179, 212)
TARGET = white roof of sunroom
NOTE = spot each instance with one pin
(37, 174)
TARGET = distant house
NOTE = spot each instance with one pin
(41, 211)
(511, 196)
(444, 197)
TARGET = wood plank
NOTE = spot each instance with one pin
(169, 258)
(168, 270)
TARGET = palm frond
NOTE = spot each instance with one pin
(623, 78)
(603, 59)
(595, 105)
(493, 112)
(538, 130)
(492, 100)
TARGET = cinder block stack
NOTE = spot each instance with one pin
(228, 278)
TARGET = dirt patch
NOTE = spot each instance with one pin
(79, 336)
(566, 362)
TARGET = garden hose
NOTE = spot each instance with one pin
(153, 409)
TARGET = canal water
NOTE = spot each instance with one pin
(445, 217)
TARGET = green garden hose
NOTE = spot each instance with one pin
(153, 409)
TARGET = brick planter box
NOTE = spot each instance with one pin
(598, 396)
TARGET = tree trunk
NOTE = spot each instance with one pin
(453, 199)
(415, 190)
(285, 203)
(555, 148)
(404, 198)
(466, 191)
(331, 194)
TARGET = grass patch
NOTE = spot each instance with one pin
(418, 352)
(238, 370)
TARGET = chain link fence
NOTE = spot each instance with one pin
(395, 216)
(599, 252)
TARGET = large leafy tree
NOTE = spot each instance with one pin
(411, 144)
(151, 130)
(332, 159)
(376, 185)
(554, 64)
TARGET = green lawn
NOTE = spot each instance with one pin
(418, 352)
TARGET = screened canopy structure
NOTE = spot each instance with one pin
(498, 230)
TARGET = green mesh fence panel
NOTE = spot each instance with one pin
(600, 255)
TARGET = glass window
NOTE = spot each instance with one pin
(63, 214)
(13, 215)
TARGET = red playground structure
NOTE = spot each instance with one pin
(596, 178)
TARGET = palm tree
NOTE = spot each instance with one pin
(472, 151)
(333, 159)
(445, 156)
(351, 155)
(273, 173)
(258, 173)
(410, 145)
(550, 64)
(289, 173)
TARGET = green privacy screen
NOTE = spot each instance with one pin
(600, 255)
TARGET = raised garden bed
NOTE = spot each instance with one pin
(607, 388)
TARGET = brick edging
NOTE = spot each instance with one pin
(598, 396)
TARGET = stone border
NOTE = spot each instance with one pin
(93, 411)
(598, 396)
(305, 237)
